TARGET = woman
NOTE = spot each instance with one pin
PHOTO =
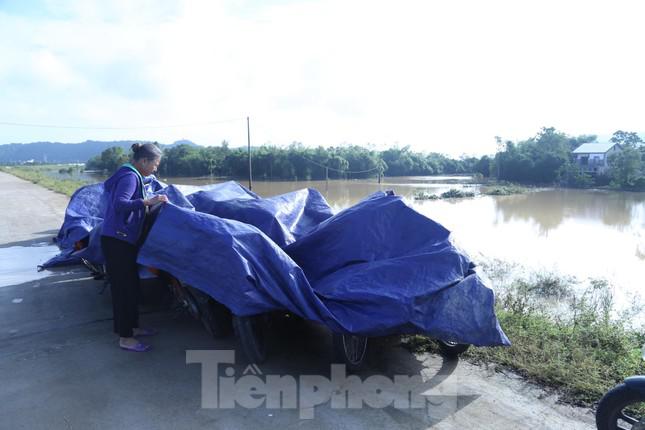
(122, 226)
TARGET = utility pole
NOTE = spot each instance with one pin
(248, 135)
(500, 148)
(326, 178)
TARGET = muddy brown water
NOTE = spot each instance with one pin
(584, 234)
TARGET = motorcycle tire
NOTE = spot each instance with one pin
(215, 317)
(452, 349)
(251, 333)
(611, 413)
(349, 350)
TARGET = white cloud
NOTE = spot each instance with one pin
(440, 76)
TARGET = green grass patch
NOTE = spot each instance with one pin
(38, 175)
(582, 351)
(426, 196)
(504, 190)
(453, 193)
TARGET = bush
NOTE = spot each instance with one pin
(504, 190)
(602, 180)
(454, 193)
(426, 196)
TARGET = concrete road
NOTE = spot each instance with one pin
(60, 367)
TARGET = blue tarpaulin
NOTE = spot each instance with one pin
(83, 213)
(80, 232)
(284, 218)
(376, 268)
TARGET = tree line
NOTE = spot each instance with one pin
(545, 159)
(295, 162)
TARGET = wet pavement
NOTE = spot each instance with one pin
(19, 264)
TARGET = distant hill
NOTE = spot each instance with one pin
(181, 142)
(56, 152)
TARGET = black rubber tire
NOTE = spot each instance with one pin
(452, 349)
(251, 333)
(349, 350)
(215, 317)
(612, 405)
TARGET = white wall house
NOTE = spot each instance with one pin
(593, 157)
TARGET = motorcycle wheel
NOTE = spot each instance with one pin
(613, 410)
(452, 349)
(350, 350)
(251, 336)
(215, 317)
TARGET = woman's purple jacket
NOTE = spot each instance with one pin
(125, 211)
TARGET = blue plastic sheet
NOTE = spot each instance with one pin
(376, 268)
(203, 198)
(84, 216)
(84, 212)
(284, 218)
(378, 228)
(423, 286)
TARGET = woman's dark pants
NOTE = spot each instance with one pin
(123, 275)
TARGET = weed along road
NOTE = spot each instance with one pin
(60, 366)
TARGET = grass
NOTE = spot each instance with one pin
(456, 194)
(453, 193)
(494, 190)
(504, 190)
(426, 196)
(582, 352)
(39, 175)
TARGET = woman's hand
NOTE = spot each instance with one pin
(160, 198)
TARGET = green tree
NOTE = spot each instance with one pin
(109, 160)
(628, 165)
(627, 168)
(626, 138)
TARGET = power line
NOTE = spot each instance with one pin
(338, 170)
(195, 124)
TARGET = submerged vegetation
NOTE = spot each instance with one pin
(582, 348)
(42, 176)
(504, 190)
(454, 193)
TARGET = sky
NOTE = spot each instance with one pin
(440, 76)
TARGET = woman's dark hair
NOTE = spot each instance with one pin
(145, 150)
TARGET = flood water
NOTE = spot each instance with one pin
(585, 234)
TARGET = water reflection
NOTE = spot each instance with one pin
(548, 209)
